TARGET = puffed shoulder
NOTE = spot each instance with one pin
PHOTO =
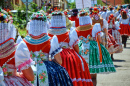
(22, 56)
(117, 25)
(96, 29)
(55, 47)
(73, 38)
(19, 39)
(105, 24)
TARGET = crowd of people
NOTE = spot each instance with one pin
(62, 49)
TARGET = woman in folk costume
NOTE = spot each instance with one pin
(69, 23)
(93, 52)
(107, 39)
(74, 17)
(113, 30)
(125, 28)
(72, 61)
(45, 54)
(8, 71)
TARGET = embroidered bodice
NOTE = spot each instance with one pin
(7, 61)
(33, 52)
(67, 40)
(84, 33)
(63, 39)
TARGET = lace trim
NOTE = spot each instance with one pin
(25, 65)
(79, 79)
(56, 52)
(30, 40)
(101, 66)
(57, 31)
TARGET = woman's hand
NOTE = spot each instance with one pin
(58, 58)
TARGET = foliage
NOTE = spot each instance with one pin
(2, 3)
(33, 7)
(99, 2)
(72, 5)
(126, 1)
(19, 18)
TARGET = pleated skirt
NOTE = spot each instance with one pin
(95, 66)
(117, 37)
(77, 68)
(125, 29)
(16, 81)
(57, 75)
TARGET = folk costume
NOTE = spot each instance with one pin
(39, 47)
(72, 61)
(125, 27)
(8, 70)
(95, 54)
(110, 12)
(107, 39)
(113, 30)
(74, 17)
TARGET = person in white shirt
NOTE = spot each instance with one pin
(104, 14)
(110, 12)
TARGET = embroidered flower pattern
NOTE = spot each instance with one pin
(42, 76)
(5, 70)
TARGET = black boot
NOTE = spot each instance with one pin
(124, 45)
(112, 57)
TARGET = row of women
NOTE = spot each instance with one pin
(53, 55)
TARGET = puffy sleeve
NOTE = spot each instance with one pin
(73, 38)
(19, 39)
(96, 29)
(22, 57)
(105, 24)
(55, 47)
(117, 25)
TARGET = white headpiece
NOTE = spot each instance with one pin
(37, 27)
(58, 24)
(58, 21)
(38, 24)
(7, 31)
(84, 20)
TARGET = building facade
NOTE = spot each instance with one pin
(113, 2)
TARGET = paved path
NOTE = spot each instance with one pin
(122, 76)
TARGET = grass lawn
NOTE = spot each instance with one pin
(22, 32)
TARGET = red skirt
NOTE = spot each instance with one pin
(125, 29)
(117, 37)
(112, 42)
(77, 68)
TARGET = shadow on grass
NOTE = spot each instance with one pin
(116, 66)
(117, 60)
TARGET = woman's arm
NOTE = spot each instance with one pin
(76, 48)
(58, 58)
(28, 74)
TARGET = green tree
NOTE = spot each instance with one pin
(126, 1)
(99, 2)
(72, 5)
(2, 4)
